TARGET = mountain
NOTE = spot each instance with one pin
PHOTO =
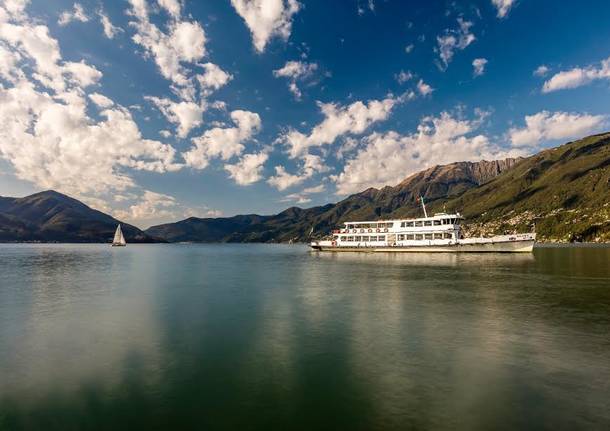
(295, 224)
(563, 193)
(50, 216)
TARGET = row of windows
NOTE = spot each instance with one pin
(408, 237)
(369, 226)
(420, 236)
(428, 222)
(363, 238)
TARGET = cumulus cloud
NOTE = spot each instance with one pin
(267, 19)
(100, 100)
(549, 126)
(248, 169)
(340, 120)
(541, 71)
(409, 48)
(152, 207)
(45, 132)
(454, 39)
(423, 88)
(303, 196)
(387, 158)
(311, 164)
(503, 7)
(110, 30)
(402, 76)
(296, 71)
(478, 65)
(186, 115)
(223, 142)
(213, 78)
(76, 14)
(577, 77)
(183, 43)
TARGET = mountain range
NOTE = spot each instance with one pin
(50, 216)
(563, 193)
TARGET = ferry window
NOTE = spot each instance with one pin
(419, 236)
(428, 223)
(448, 236)
(357, 238)
(381, 238)
(428, 236)
(343, 238)
(401, 237)
(437, 222)
(350, 238)
(444, 221)
(410, 236)
(409, 224)
(373, 238)
(418, 224)
(365, 238)
(402, 224)
(438, 236)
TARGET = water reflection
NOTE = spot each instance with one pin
(232, 336)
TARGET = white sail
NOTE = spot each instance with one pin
(119, 239)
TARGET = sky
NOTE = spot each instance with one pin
(158, 110)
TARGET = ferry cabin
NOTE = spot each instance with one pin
(440, 229)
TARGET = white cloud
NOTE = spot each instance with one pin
(76, 14)
(213, 78)
(248, 169)
(296, 71)
(110, 30)
(388, 158)
(46, 134)
(339, 120)
(577, 77)
(283, 180)
(184, 43)
(152, 206)
(409, 48)
(82, 74)
(549, 126)
(541, 71)
(454, 39)
(423, 88)
(478, 65)
(403, 76)
(173, 7)
(187, 115)
(503, 6)
(223, 142)
(100, 100)
(303, 196)
(311, 164)
(267, 18)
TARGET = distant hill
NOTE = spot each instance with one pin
(51, 216)
(563, 193)
(295, 224)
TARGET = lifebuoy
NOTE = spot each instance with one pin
(361, 230)
(386, 229)
(370, 230)
(334, 243)
(377, 230)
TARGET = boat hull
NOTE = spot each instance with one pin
(525, 246)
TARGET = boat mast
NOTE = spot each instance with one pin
(423, 205)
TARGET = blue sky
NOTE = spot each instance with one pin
(154, 110)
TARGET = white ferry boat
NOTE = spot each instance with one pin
(440, 233)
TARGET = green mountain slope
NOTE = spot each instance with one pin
(52, 216)
(564, 192)
(296, 224)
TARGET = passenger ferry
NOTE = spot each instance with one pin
(440, 233)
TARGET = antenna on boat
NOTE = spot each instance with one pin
(423, 205)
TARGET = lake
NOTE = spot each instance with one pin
(276, 337)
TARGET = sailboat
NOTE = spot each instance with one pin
(119, 239)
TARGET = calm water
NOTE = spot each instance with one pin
(275, 337)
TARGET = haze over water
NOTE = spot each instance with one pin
(277, 337)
